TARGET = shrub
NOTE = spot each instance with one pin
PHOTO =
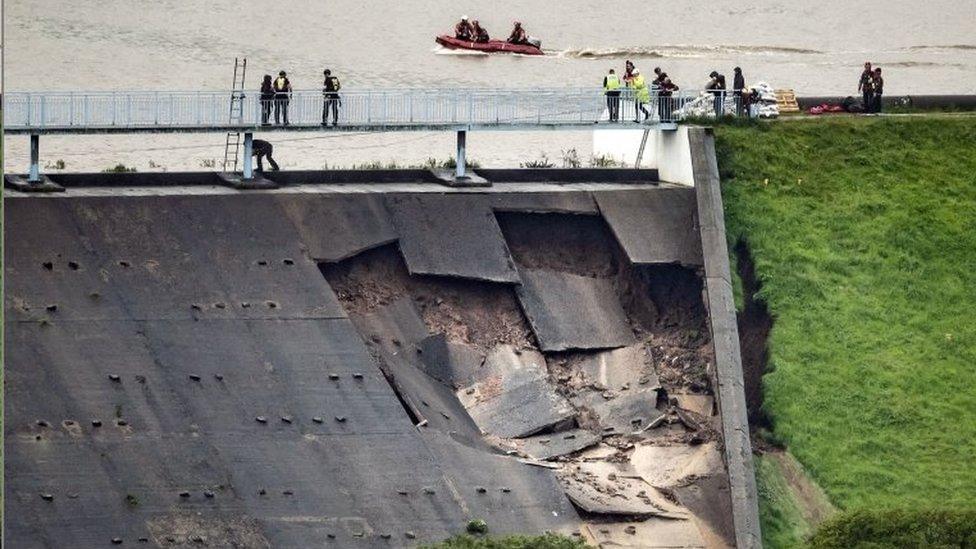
(897, 528)
(119, 168)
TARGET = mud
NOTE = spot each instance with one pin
(755, 323)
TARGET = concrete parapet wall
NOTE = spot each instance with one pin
(730, 391)
(667, 151)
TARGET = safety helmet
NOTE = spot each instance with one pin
(464, 18)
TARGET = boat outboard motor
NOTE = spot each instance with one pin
(534, 41)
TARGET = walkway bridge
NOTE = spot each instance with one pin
(460, 110)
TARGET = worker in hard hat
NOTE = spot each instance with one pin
(642, 96)
(463, 30)
(518, 35)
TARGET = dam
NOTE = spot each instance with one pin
(375, 358)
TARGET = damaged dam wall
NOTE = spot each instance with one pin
(368, 366)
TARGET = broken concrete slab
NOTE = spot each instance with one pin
(628, 412)
(567, 311)
(651, 533)
(552, 445)
(625, 368)
(603, 488)
(451, 235)
(514, 398)
(670, 466)
(394, 327)
(703, 405)
(336, 227)
(456, 364)
(654, 226)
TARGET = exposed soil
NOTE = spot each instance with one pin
(754, 323)
(483, 314)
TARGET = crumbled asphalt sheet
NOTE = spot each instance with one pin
(625, 413)
(553, 445)
(654, 226)
(513, 397)
(619, 369)
(567, 311)
(603, 488)
(451, 235)
(336, 227)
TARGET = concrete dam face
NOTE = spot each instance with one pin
(361, 366)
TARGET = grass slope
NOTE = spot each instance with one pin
(863, 232)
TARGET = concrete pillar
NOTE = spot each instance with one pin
(462, 136)
(35, 155)
(248, 155)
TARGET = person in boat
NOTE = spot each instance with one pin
(463, 30)
(518, 35)
(479, 32)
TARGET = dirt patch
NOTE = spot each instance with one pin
(754, 323)
(483, 314)
(578, 244)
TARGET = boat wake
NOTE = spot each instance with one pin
(441, 50)
(679, 51)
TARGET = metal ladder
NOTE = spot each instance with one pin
(232, 146)
(640, 150)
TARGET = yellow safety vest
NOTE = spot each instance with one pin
(640, 89)
(613, 83)
(280, 83)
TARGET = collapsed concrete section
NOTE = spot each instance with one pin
(210, 383)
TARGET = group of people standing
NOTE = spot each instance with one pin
(276, 95)
(871, 86)
(633, 79)
(474, 32)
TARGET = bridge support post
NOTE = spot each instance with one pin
(34, 175)
(248, 155)
(462, 137)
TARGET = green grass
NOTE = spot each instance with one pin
(863, 231)
(781, 518)
(898, 529)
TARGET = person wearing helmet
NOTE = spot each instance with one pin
(518, 35)
(480, 33)
(463, 30)
(642, 96)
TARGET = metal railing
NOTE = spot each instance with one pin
(420, 108)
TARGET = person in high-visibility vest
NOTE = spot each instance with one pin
(642, 96)
(282, 90)
(611, 87)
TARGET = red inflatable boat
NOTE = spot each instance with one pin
(489, 46)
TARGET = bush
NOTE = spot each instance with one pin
(898, 528)
(119, 168)
(477, 526)
(548, 541)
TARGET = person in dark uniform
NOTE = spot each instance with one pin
(282, 90)
(717, 86)
(665, 106)
(738, 84)
(479, 32)
(658, 85)
(330, 97)
(463, 30)
(518, 35)
(261, 148)
(267, 98)
(864, 86)
(878, 84)
(611, 87)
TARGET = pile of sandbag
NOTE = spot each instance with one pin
(765, 106)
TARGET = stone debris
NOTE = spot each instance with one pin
(597, 487)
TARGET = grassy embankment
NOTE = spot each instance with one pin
(863, 234)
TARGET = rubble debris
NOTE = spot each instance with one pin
(598, 488)
(651, 533)
(619, 369)
(670, 466)
(629, 412)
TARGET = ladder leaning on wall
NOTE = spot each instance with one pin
(232, 146)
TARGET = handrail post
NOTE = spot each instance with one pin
(462, 136)
(34, 175)
(248, 155)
